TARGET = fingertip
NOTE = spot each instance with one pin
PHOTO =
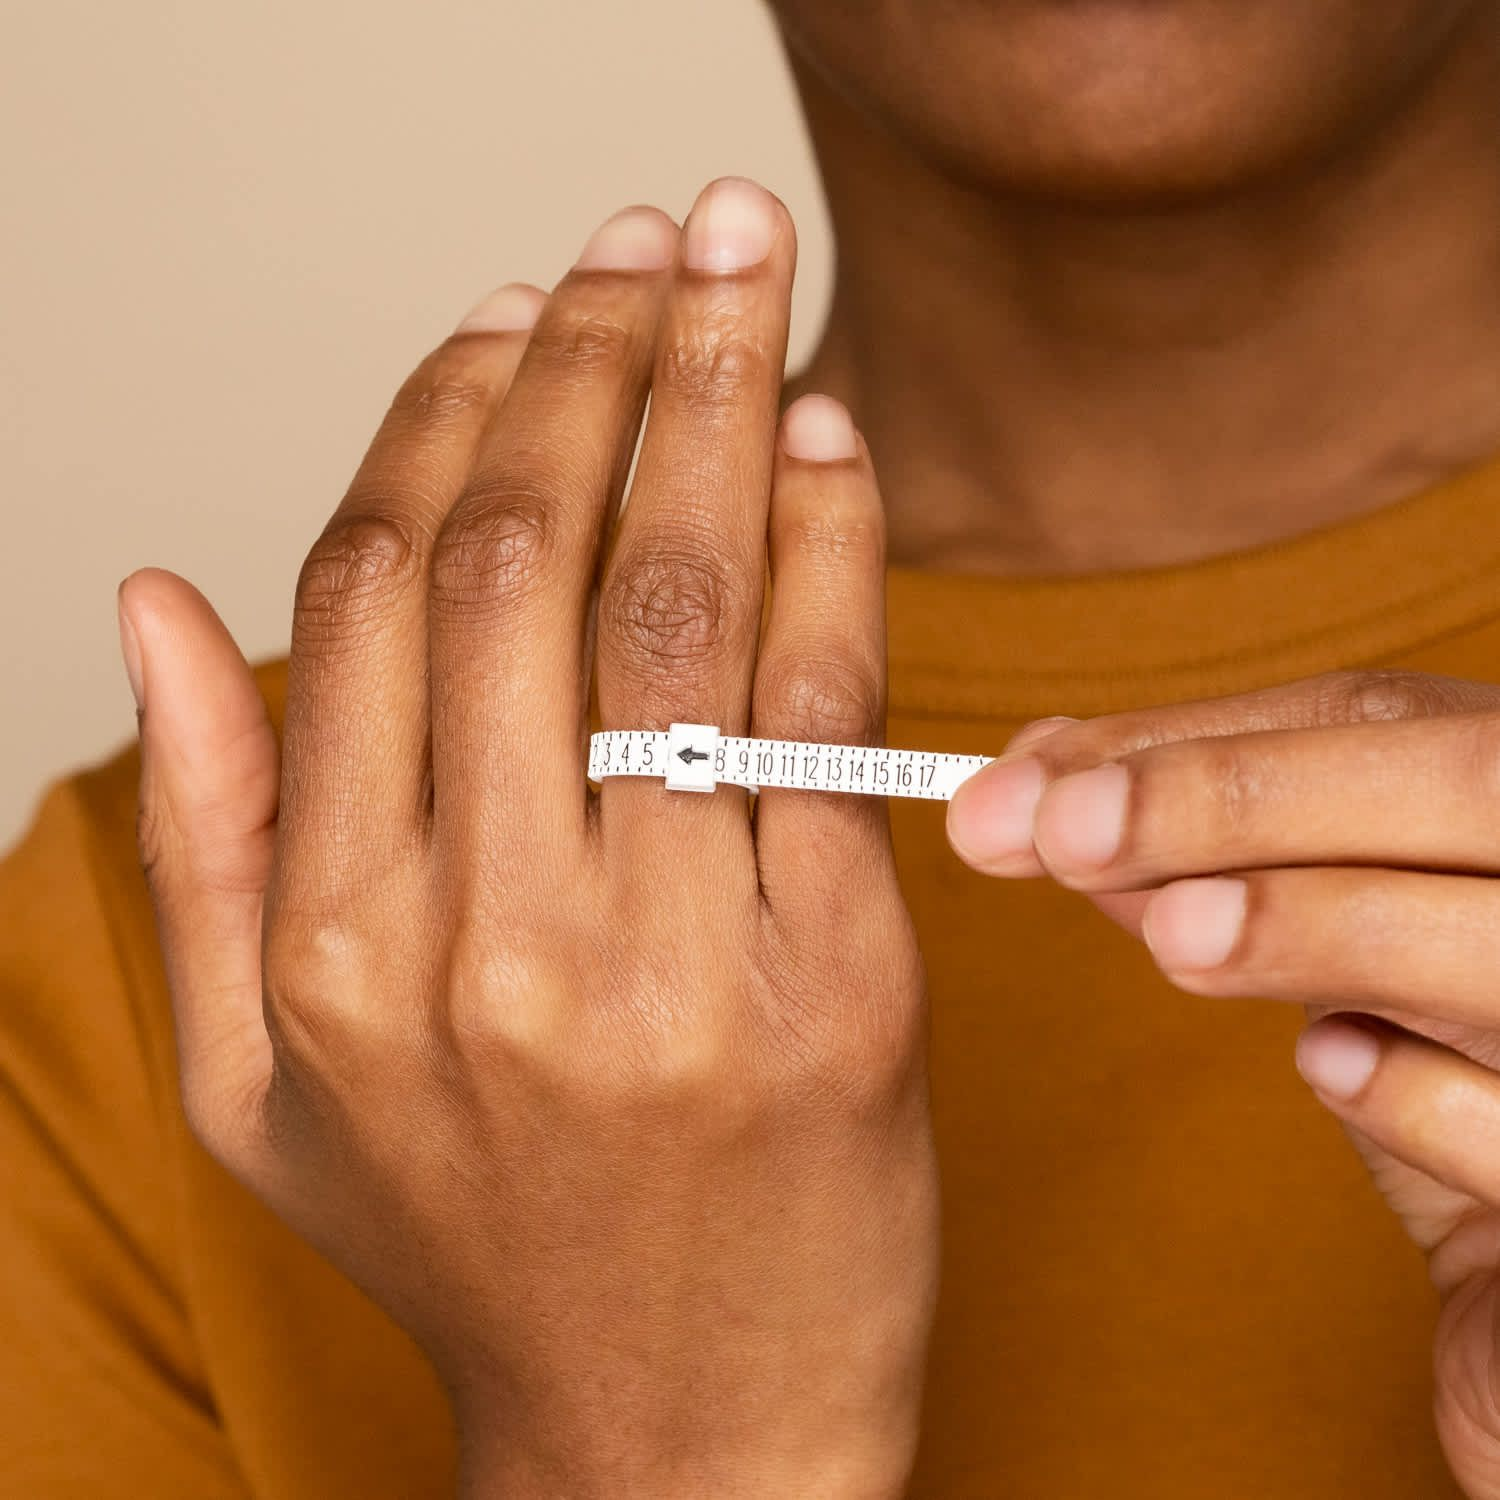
(1337, 1058)
(825, 502)
(1194, 927)
(733, 226)
(201, 691)
(150, 589)
(208, 751)
(143, 600)
(638, 238)
(168, 616)
(130, 592)
(1081, 822)
(990, 819)
(513, 308)
(819, 429)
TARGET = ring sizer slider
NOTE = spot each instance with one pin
(697, 758)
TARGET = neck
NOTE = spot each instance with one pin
(1050, 388)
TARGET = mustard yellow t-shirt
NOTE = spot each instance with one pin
(1166, 1275)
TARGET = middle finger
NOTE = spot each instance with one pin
(1382, 940)
(513, 569)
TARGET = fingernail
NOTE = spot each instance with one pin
(732, 226)
(1336, 1058)
(990, 818)
(508, 309)
(130, 649)
(819, 429)
(1081, 825)
(1194, 925)
(1034, 733)
(635, 239)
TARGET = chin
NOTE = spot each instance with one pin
(1125, 100)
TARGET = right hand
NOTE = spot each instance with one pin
(1328, 843)
(616, 1101)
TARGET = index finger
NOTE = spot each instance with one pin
(989, 819)
(1408, 795)
(1329, 701)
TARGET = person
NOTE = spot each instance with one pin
(458, 1126)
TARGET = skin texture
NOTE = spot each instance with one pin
(1125, 101)
(614, 1099)
(1123, 283)
(1208, 830)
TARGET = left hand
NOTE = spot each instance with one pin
(1335, 842)
(616, 1101)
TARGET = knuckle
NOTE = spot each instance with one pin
(497, 1001)
(834, 539)
(448, 389)
(817, 698)
(1226, 797)
(1239, 790)
(688, 1064)
(853, 1028)
(687, 1073)
(867, 1065)
(1372, 697)
(712, 364)
(407, 484)
(579, 346)
(311, 983)
(493, 546)
(349, 572)
(656, 1046)
(667, 604)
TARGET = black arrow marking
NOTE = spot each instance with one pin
(687, 755)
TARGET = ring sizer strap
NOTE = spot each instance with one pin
(696, 758)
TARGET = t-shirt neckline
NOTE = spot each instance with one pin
(975, 646)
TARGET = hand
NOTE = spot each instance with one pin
(616, 1101)
(1334, 842)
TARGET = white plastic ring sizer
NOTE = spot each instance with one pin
(696, 758)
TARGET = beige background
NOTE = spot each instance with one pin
(228, 231)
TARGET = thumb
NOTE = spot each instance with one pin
(210, 774)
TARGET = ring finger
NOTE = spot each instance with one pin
(681, 601)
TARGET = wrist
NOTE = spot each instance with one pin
(504, 1464)
(513, 1480)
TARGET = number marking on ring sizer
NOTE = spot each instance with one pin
(697, 758)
